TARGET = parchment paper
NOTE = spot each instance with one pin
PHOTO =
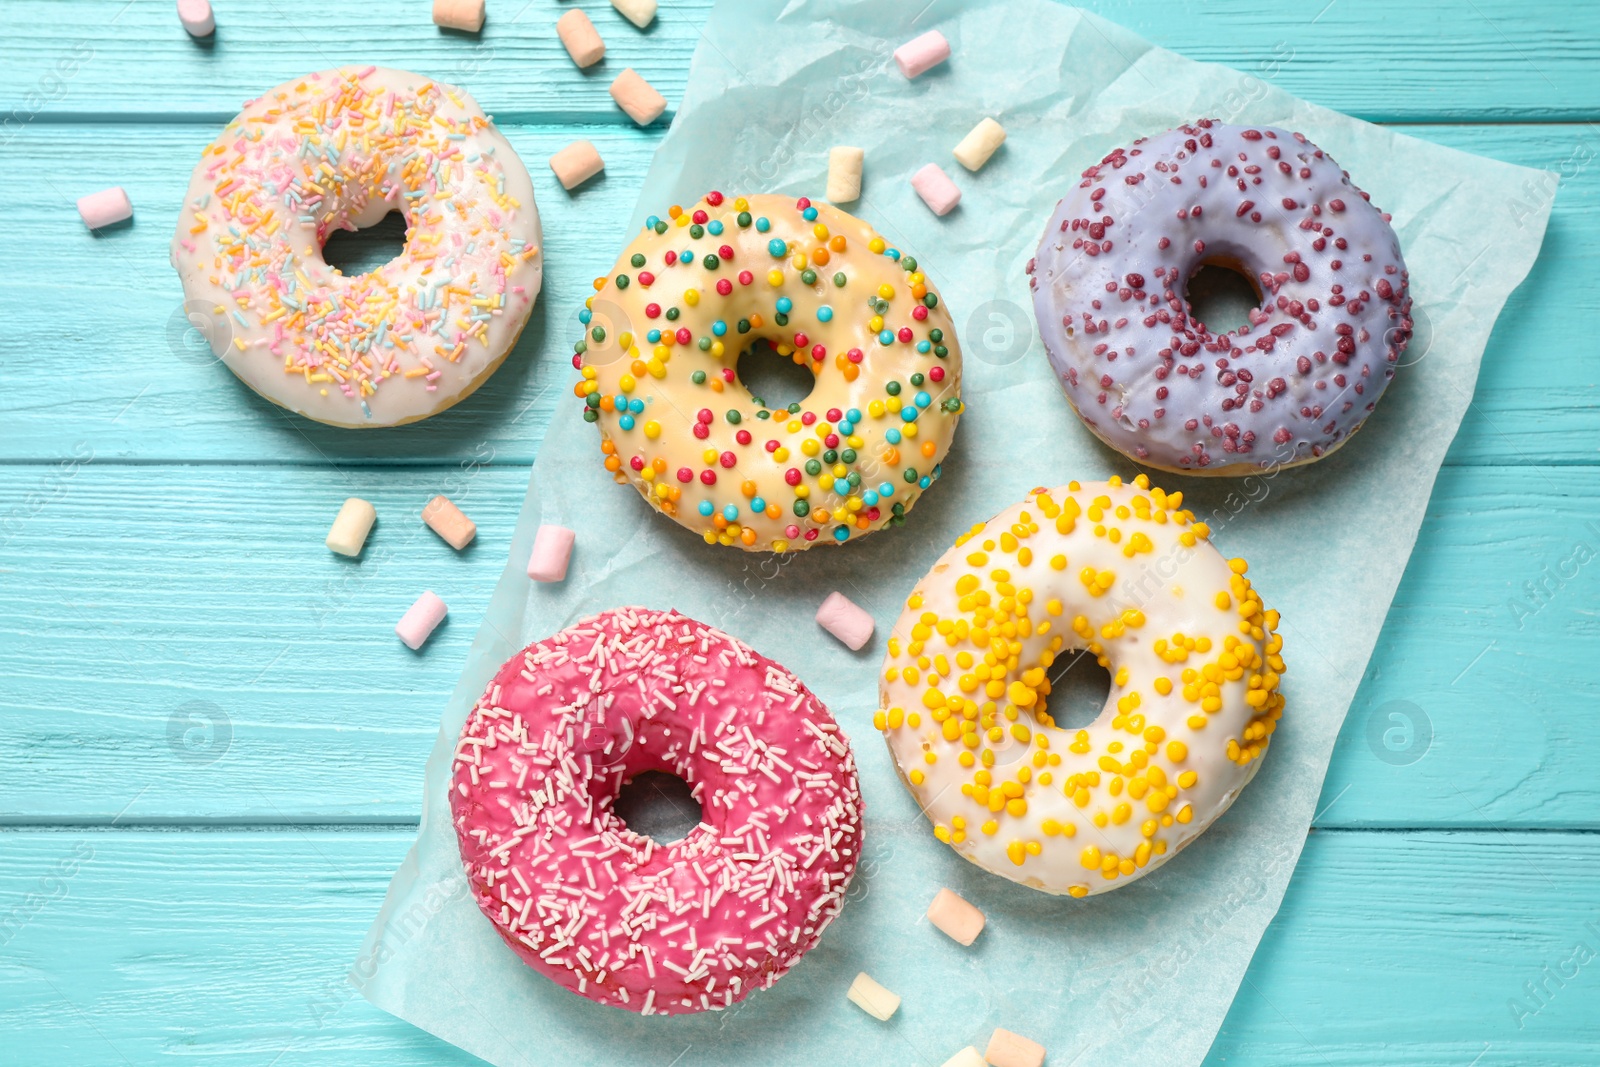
(1144, 974)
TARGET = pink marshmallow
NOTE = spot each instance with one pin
(1013, 1050)
(580, 38)
(936, 189)
(106, 207)
(576, 164)
(196, 17)
(420, 620)
(922, 53)
(464, 15)
(844, 620)
(552, 550)
(957, 918)
(637, 97)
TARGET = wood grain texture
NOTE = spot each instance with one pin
(102, 313)
(1452, 60)
(1393, 948)
(178, 652)
(164, 586)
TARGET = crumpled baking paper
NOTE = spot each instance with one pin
(1141, 975)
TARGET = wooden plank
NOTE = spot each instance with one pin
(1451, 60)
(125, 59)
(95, 355)
(140, 946)
(132, 592)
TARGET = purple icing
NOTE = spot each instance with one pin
(1115, 261)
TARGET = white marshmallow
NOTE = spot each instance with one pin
(872, 998)
(976, 147)
(844, 174)
(967, 1057)
(351, 526)
(638, 12)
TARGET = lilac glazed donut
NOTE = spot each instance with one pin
(1146, 376)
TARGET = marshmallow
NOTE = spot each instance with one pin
(638, 12)
(637, 97)
(872, 998)
(580, 38)
(1013, 1050)
(841, 618)
(105, 208)
(960, 920)
(459, 14)
(922, 53)
(576, 164)
(552, 550)
(967, 1057)
(976, 147)
(196, 17)
(420, 620)
(936, 189)
(844, 174)
(446, 520)
(351, 526)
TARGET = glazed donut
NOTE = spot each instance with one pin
(339, 150)
(613, 915)
(1124, 572)
(690, 296)
(1148, 378)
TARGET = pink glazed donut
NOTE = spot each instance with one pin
(1148, 378)
(612, 915)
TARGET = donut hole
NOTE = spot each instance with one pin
(1079, 688)
(658, 805)
(1221, 295)
(356, 252)
(775, 382)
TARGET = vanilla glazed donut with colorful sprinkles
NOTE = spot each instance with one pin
(692, 294)
(1150, 379)
(339, 150)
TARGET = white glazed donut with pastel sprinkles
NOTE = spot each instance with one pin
(692, 294)
(1120, 571)
(340, 149)
(657, 928)
(1152, 381)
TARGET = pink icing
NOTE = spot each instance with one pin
(613, 915)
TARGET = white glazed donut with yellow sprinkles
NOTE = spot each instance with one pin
(1119, 570)
(691, 295)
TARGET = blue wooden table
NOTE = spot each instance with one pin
(211, 743)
